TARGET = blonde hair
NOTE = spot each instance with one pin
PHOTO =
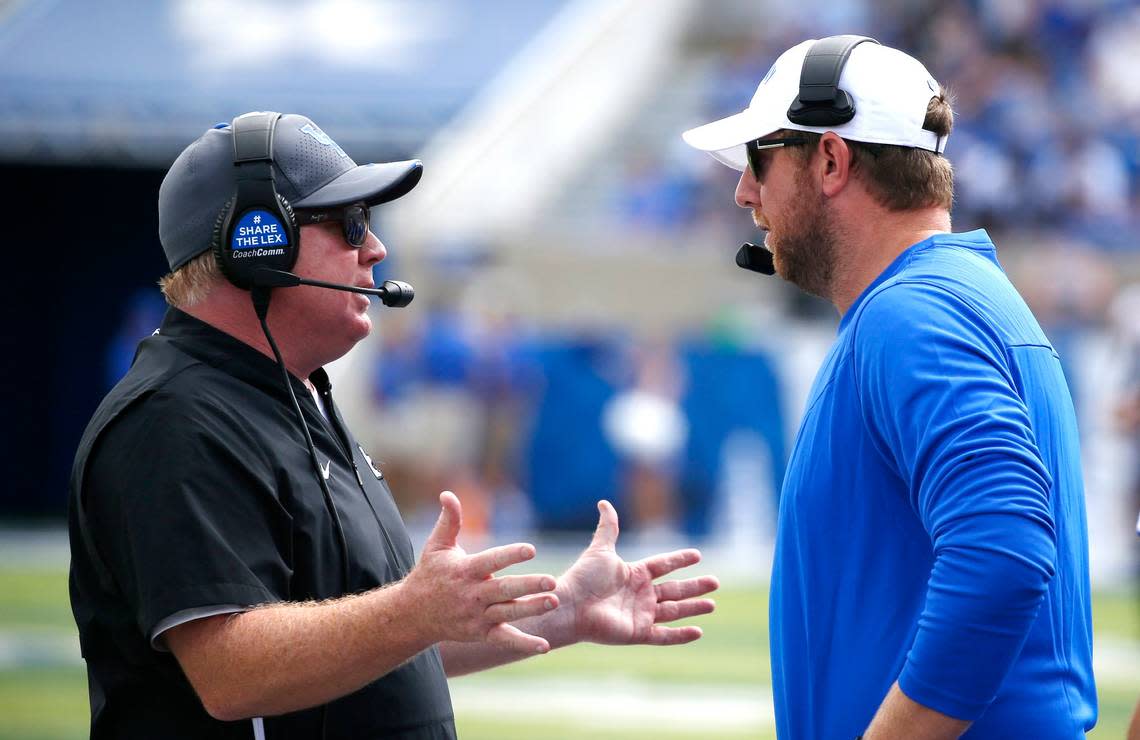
(190, 284)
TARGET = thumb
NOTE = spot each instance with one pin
(605, 536)
(446, 529)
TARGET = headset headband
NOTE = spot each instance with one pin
(257, 228)
(821, 102)
(253, 156)
(253, 137)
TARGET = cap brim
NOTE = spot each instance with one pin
(371, 183)
(725, 139)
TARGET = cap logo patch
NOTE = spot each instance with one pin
(258, 234)
(322, 138)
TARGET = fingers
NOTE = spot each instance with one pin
(512, 638)
(605, 536)
(506, 588)
(687, 589)
(446, 530)
(660, 565)
(670, 611)
(673, 635)
(531, 606)
(496, 558)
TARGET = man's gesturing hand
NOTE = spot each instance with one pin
(458, 598)
(618, 603)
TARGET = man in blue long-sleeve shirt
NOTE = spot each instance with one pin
(931, 570)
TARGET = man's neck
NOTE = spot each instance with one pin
(870, 245)
(230, 310)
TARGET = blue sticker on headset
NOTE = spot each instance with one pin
(259, 234)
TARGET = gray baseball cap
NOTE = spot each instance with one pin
(310, 171)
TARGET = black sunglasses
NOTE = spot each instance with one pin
(354, 217)
(755, 149)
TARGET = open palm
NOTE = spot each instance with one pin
(617, 603)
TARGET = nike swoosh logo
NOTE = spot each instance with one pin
(326, 468)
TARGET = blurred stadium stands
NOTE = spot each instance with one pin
(128, 83)
(579, 330)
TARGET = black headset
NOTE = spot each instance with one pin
(257, 231)
(821, 102)
(256, 228)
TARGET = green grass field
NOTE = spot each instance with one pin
(715, 688)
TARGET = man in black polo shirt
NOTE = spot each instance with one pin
(220, 588)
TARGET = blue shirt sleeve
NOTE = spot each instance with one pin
(941, 405)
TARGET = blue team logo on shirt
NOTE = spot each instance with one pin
(322, 138)
(259, 233)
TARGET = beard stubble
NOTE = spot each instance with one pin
(804, 245)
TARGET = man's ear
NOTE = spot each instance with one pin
(834, 164)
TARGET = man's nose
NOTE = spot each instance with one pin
(747, 191)
(373, 250)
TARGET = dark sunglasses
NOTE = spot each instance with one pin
(354, 218)
(755, 149)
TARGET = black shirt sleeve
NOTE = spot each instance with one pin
(183, 509)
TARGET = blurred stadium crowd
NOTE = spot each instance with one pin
(540, 372)
(533, 422)
(1047, 133)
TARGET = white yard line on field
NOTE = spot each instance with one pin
(1115, 661)
(610, 703)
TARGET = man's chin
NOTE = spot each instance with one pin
(779, 264)
(780, 268)
(357, 328)
(364, 321)
(770, 245)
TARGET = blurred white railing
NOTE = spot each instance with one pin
(490, 173)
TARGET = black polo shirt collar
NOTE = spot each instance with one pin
(206, 343)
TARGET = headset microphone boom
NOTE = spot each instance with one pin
(393, 293)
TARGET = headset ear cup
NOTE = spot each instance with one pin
(257, 229)
(290, 223)
(218, 238)
(287, 210)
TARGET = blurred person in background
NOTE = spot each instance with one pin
(221, 589)
(645, 424)
(931, 568)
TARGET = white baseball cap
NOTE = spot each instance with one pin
(890, 90)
